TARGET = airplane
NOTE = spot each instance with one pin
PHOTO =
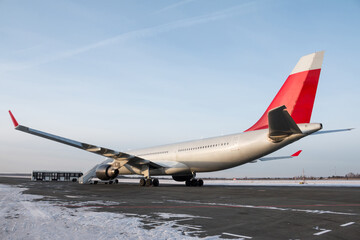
(286, 120)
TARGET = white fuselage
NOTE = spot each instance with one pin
(213, 154)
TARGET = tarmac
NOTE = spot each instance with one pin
(229, 212)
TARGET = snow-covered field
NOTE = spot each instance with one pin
(328, 183)
(24, 217)
(270, 182)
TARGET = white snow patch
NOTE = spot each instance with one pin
(94, 203)
(16, 176)
(23, 218)
(327, 183)
(70, 196)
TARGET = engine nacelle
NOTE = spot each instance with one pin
(182, 178)
(106, 172)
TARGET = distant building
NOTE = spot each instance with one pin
(55, 176)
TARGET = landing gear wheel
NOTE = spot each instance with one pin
(149, 182)
(142, 182)
(155, 182)
(194, 182)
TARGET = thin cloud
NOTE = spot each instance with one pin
(136, 34)
(28, 49)
(172, 6)
(152, 31)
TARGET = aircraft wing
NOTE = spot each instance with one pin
(277, 158)
(122, 157)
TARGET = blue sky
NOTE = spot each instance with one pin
(132, 74)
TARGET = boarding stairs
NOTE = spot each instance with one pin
(86, 178)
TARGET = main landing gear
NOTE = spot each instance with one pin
(149, 182)
(194, 182)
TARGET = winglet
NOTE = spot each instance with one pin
(297, 153)
(13, 119)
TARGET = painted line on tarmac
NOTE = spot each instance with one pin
(218, 205)
(174, 223)
(347, 224)
(235, 235)
(138, 207)
(322, 232)
(315, 211)
(317, 205)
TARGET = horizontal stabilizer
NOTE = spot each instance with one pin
(281, 124)
(277, 158)
(297, 153)
(333, 131)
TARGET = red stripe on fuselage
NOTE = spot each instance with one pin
(297, 94)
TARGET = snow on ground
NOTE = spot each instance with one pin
(28, 176)
(23, 216)
(171, 215)
(327, 183)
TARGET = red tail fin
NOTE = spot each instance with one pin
(298, 92)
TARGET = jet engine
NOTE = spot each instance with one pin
(106, 172)
(182, 178)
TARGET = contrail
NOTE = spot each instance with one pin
(136, 34)
(172, 6)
